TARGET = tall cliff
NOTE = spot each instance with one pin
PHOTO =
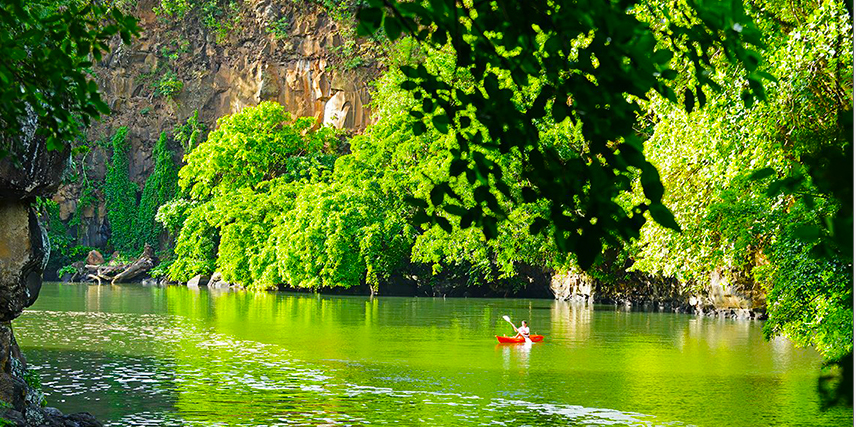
(216, 58)
(30, 171)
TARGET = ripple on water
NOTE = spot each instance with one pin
(171, 371)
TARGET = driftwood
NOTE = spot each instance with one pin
(138, 267)
(123, 272)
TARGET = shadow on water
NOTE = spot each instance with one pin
(105, 384)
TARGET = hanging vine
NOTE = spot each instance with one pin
(121, 196)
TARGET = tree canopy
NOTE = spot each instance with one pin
(48, 48)
(581, 65)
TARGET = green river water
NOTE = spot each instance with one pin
(173, 356)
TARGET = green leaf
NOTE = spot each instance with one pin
(762, 173)
(428, 105)
(392, 27)
(747, 97)
(807, 233)
(441, 123)
(412, 201)
(669, 74)
(489, 228)
(662, 56)
(419, 128)
(369, 20)
(438, 37)
(587, 251)
(457, 167)
(437, 194)
(529, 195)
(689, 100)
(455, 210)
(702, 99)
(420, 217)
(467, 219)
(538, 225)
(408, 71)
(443, 223)
(663, 216)
(651, 183)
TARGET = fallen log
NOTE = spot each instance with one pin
(107, 272)
(94, 277)
(142, 265)
(121, 272)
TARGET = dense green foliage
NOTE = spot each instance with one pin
(555, 118)
(778, 230)
(581, 65)
(237, 183)
(120, 194)
(755, 188)
(168, 85)
(48, 47)
(288, 215)
(161, 187)
(189, 134)
(220, 16)
(64, 250)
(132, 223)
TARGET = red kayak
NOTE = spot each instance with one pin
(514, 340)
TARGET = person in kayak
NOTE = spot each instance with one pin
(522, 331)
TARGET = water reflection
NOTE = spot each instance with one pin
(515, 356)
(194, 357)
(572, 319)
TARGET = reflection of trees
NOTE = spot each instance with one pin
(242, 358)
(571, 319)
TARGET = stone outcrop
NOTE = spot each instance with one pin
(217, 282)
(572, 287)
(24, 251)
(728, 294)
(198, 280)
(301, 67)
(30, 171)
(94, 258)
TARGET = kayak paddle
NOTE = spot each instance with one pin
(508, 319)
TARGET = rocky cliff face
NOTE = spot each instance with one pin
(729, 293)
(31, 171)
(290, 52)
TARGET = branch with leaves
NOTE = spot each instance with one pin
(576, 64)
(48, 50)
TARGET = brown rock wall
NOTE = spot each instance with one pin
(220, 76)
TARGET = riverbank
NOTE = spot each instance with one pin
(728, 294)
(640, 294)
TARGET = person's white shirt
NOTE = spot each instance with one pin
(523, 330)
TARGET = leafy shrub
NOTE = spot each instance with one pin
(278, 28)
(190, 134)
(173, 8)
(68, 269)
(168, 86)
(237, 182)
(32, 379)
